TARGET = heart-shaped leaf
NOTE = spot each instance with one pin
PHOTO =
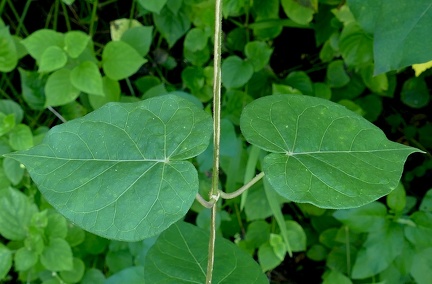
(322, 153)
(119, 171)
(180, 256)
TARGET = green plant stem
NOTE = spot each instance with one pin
(23, 15)
(93, 17)
(17, 17)
(242, 189)
(56, 12)
(217, 84)
(2, 5)
(66, 16)
(348, 251)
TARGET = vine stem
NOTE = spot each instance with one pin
(217, 85)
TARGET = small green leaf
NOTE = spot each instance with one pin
(87, 78)
(10, 107)
(233, 8)
(111, 90)
(333, 276)
(322, 153)
(75, 235)
(322, 90)
(21, 138)
(52, 58)
(296, 236)
(258, 53)
(5, 261)
(195, 39)
(94, 276)
(171, 26)
(367, 218)
(421, 268)
(417, 235)
(139, 38)
(119, 171)
(300, 81)
(236, 72)
(415, 93)
(426, 204)
(132, 275)
(154, 6)
(336, 74)
(396, 200)
(120, 60)
(257, 233)
(193, 77)
(33, 85)
(75, 43)
(40, 40)
(59, 89)
(380, 249)
(278, 245)
(317, 252)
(25, 259)
(356, 46)
(118, 260)
(57, 256)
(267, 257)
(13, 170)
(74, 275)
(180, 256)
(8, 52)
(57, 226)
(16, 213)
(297, 12)
(7, 123)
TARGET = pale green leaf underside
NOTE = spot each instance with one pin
(323, 153)
(118, 172)
(180, 256)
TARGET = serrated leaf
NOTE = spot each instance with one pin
(322, 153)
(119, 171)
(120, 60)
(59, 89)
(15, 214)
(57, 255)
(180, 256)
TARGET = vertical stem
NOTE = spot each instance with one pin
(216, 132)
(66, 16)
(93, 17)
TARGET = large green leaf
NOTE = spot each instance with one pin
(399, 40)
(180, 256)
(322, 153)
(118, 172)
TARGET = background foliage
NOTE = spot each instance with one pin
(63, 59)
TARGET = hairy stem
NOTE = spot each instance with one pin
(242, 189)
(216, 133)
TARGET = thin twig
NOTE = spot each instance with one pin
(217, 85)
(242, 189)
(59, 116)
(205, 203)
